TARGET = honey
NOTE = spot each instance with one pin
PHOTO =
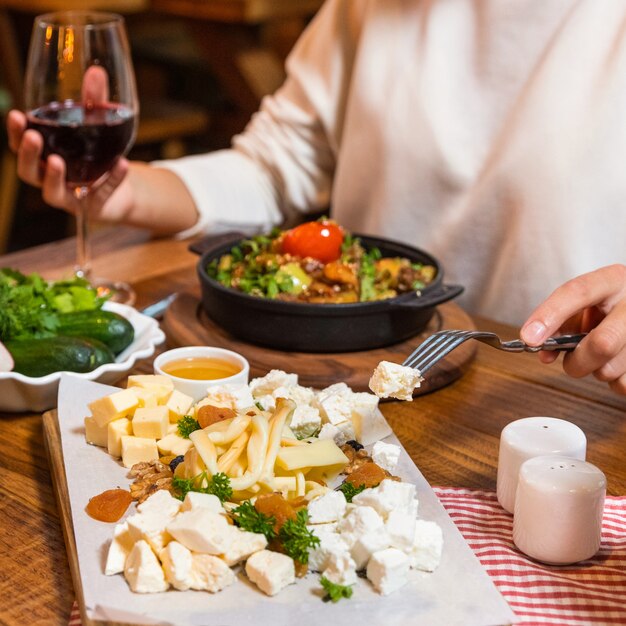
(201, 368)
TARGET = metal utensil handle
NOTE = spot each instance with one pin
(563, 343)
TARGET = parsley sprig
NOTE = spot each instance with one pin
(335, 592)
(296, 538)
(248, 518)
(349, 490)
(186, 425)
(217, 485)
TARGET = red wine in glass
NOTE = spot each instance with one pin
(89, 139)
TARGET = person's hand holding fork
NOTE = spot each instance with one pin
(595, 303)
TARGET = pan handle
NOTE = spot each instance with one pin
(437, 296)
(212, 242)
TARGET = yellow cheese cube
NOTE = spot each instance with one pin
(173, 444)
(145, 397)
(116, 430)
(152, 423)
(113, 407)
(315, 454)
(179, 404)
(94, 434)
(160, 386)
(138, 450)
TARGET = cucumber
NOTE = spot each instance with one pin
(39, 357)
(108, 327)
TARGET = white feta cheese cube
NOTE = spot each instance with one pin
(143, 571)
(302, 396)
(369, 423)
(340, 389)
(202, 530)
(341, 569)
(425, 553)
(329, 507)
(270, 571)
(150, 526)
(335, 408)
(196, 500)
(330, 543)
(305, 421)
(386, 455)
(359, 521)
(176, 560)
(346, 433)
(161, 502)
(388, 496)
(401, 529)
(388, 570)
(209, 573)
(392, 380)
(329, 431)
(266, 385)
(243, 545)
(120, 548)
(366, 544)
(234, 396)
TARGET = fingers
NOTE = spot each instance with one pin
(95, 85)
(29, 158)
(16, 125)
(53, 188)
(601, 288)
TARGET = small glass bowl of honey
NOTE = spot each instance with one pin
(193, 369)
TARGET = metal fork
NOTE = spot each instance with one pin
(439, 344)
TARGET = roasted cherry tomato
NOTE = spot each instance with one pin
(319, 240)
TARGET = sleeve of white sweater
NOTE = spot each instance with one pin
(282, 165)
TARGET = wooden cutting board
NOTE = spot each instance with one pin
(186, 324)
(52, 440)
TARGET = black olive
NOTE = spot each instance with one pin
(176, 461)
(355, 445)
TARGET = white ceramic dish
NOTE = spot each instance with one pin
(22, 393)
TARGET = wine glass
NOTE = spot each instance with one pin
(80, 94)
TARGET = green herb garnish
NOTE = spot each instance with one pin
(217, 485)
(335, 592)
(30, 306)
(349, 490)
(187, 425)
(248, 518)
(296, 538)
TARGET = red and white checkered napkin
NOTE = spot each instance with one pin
(590, 592)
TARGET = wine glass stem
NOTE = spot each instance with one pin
(82, 269)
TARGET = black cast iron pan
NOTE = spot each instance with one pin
(303, 327)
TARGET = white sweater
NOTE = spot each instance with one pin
(491, 133)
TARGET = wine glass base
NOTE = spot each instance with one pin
(116, 291)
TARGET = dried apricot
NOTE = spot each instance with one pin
(209, 414)
(274, 505)
(110, 505)
(368, 475)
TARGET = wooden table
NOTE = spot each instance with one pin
(451, 434)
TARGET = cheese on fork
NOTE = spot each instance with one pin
(392, 380)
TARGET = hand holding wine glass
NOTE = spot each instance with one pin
(80, 95)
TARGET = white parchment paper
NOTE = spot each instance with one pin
(458, 592)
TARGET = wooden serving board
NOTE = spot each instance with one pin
(52, 440)
(186, 324)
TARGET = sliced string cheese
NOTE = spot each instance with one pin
(236, 427)
(300, 484)
(257, 450)
(239, 467)
(206, 450)
(219, 427)
(226, 461)
(284, 410)
(314, 490)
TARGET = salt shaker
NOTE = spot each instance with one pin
(558, 509)
(529, 437)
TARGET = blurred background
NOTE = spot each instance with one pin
(202, 67)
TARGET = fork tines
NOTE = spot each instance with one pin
(434, 348)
